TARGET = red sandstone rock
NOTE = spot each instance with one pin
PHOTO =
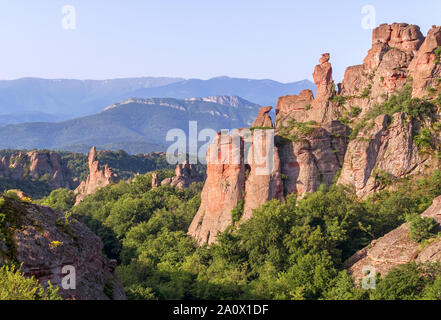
(295, 105)
(185, 175)
(323, 79)
(423, 68)
(263, 178)
(222, 191)
(387, 148)
(155, 181)
(406, 38)
(396, 248)
(96, 179)
(385, 69)
(398, 51)
(306, 164)
(43, 248)
(36, 164)
(263, 119)
(304, 107)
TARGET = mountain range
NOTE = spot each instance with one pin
(134, 125)
(63, 99)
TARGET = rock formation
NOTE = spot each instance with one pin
(400, 55)
(386, 148)
(36, 164)
(263, 119)
(289, 167)
(223, 188)
(425, 68)
(311, 142)
(96, 179)
(44, 242)
(185, 175)
(305, 107)
(396, 248)
(385, 68)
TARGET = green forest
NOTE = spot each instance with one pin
(122, 163)
(291, 249)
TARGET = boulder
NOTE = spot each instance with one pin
(43, 242)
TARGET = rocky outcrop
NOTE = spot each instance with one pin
(223, 189)
(396, 248)
(263, 119)
(43, 241)
(35, 165)
(425, 68)
(400, 55)
(305, 107)
(311, 143)
(185, 175)
(387, 148)
(404, 37)
(386, 68)
(96, 179)
(313, 159)
(238, 179)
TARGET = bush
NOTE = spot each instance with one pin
(60, 199)
(366, 92)
(355, 111)
(15, 286)
(422, 228)
(437, 55)
(423, 139)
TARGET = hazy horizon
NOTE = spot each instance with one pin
(147, 76)
(278, 40)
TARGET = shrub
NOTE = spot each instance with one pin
(237, 212)
(423, 139)
(60, 199)
(340, 100)
(15, 286)
(355, 111)
(366, 92)
(437, 55)
(422, 228)
(383, 178)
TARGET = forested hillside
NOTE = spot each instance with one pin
(38, 172)
(294, 249)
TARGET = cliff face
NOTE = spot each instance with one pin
(36, 164)
(96, 179)
(223, 188)
(396, 248)
(44, 242)
(312, 142)
(400, 56)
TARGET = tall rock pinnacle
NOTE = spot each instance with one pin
(96, 179)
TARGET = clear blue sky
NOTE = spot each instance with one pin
(274, 39)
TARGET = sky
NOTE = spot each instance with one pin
(259, 39)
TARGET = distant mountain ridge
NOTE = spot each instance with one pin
(263, 92)
(63, 99)
(72, 98)
(134, 125)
